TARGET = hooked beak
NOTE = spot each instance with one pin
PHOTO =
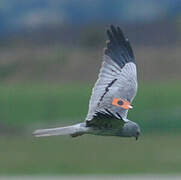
(137, 135)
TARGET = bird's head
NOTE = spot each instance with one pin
(131, 129)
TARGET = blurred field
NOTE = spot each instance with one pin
(156, 107)
(99, 177)
(27, 103)
(23, 108)
(50, 86)
(26, 63)
(50, 56)
(90, 155)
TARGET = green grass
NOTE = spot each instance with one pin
(24, 105)
(157, 107)
(90, 154)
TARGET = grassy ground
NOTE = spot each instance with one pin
(157, 109)
(90, 154)
(95, 177)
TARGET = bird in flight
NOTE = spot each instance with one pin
(111, 96)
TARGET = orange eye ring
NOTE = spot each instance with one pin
(121, 103)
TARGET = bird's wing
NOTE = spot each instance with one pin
(105, 120)
(116, 86)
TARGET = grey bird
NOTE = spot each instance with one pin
(111, 96)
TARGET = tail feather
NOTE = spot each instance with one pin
(68, 130)
(54, 131)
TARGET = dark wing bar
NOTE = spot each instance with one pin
(105, 120)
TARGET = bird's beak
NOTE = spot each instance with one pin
(136, 138)
(130, 107)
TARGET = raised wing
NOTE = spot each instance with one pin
(117, 82)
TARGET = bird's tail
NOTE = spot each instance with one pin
(74, 131)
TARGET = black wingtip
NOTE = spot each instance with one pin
(109, 34)
(118, 48)
(112, 28)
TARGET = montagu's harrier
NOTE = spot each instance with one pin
(112, 94)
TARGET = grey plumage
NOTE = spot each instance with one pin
(112, 94)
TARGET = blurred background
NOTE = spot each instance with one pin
(50, 55)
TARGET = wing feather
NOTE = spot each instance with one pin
(117, 77)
